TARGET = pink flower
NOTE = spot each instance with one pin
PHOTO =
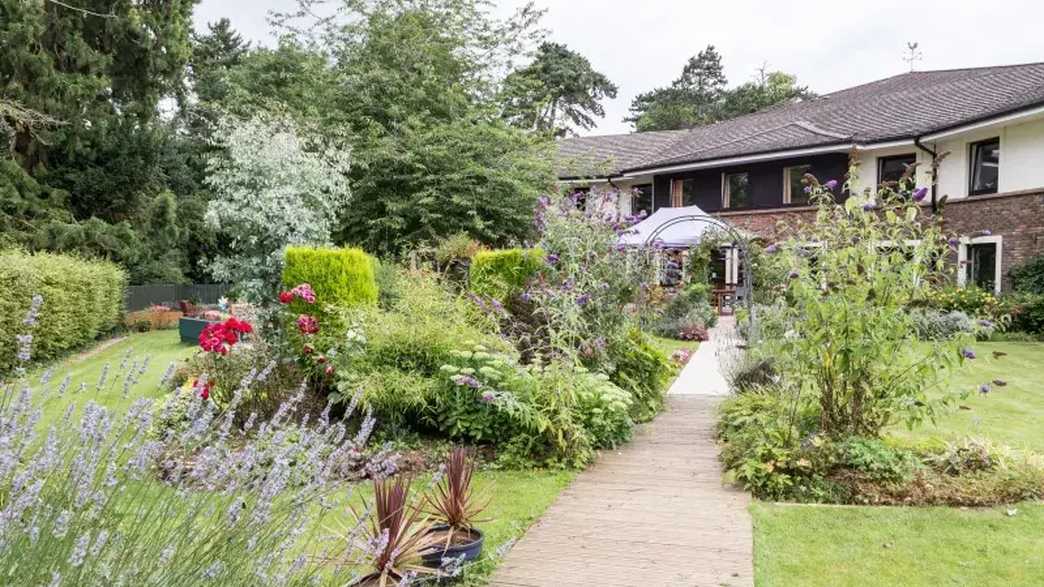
(304, 292)
(307, 324)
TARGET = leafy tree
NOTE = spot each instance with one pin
(415, 84)
(275, 186)
(771, 88)
(558, 90)
(691, 100)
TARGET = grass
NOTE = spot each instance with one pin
(669, 345)
(161, 347)
(1008, 415)
(838, 546)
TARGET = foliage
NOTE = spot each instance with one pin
(81, 299)
(876, 459)
(931, 324)
(396, 527)
(557, 91)
(503, 273)
(1026, 312)
(340, 277)
(972, 301)
(1029, 277)
(636, 364)
(274, 187)
(849, 343)
(451, 501)
(688, 311)
(212, 501)
(699, 96)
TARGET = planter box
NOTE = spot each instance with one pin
(189, 328)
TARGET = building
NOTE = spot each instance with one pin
(981, 128)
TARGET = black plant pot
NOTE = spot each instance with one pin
(470, 550)
(189, 328)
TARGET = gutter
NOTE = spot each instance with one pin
(935, 168)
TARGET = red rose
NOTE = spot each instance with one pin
(285, 297)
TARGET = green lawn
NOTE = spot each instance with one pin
(838, 546)
(161, 347)
(1009, 415)
(669, 345)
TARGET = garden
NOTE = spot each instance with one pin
(874, 382)
(340, 419)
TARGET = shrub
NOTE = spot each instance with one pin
(930, 324)
(1026, 312)
(687, 315)
(339, 276)
(503, 273)
(972, 301)
(82, 299)
(1029, 277)
(636, 364)
(876, 459)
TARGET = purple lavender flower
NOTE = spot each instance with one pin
(985, 323)
(466, 380)
(552, 259)
(830, 185)
(867, 207)
(920, 193)
(953, 241)
(967, 353)
(583, 299)
(526, 296)
(808, 189)
(984, 388)
(488, 397)
(772, 249)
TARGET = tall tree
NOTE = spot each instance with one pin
(691, 100)
(771, 88)
(557, 91)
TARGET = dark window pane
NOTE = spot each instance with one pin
(798, 195)
(580, 197)
(642, 199)
(689, 192)
(982, 265)
(890, 169)
(738, 186)
(985, 167)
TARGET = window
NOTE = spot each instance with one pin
(642, 199)
(793, 190)
(985, 167)
(980, 263)
(579, 196)
(683, 192)
(890, 169)
(736, 188)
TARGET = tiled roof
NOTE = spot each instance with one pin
(900, 107)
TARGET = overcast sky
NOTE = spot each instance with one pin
(829, 45)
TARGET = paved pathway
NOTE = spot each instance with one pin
(702, 374)
(653, 512)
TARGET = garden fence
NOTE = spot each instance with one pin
(140, 297)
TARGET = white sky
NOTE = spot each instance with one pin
(829, 45)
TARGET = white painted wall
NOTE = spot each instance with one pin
(868, 161)
(1021, 158)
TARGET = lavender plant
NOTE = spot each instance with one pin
(100, 498)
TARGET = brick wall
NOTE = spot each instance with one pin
(1018, 217)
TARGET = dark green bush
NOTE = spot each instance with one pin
(638, 366)
(688, 309)
(1026, 312)
(82, 299)
(340, 276)
(1029, 277)
(503, 273)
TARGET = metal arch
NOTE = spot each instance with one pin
(739, 241)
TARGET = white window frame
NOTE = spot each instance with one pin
(962, 259)
(726, 203)
(788, 197)
(732, 264)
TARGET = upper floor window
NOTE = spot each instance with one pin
(985, 167)
(642, 199)
(736, 190)
(793, 190)
(683, 192)
(891, 169)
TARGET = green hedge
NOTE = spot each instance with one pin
(343, 277)
(82, 299)
(502, 273)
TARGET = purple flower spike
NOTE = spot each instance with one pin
(794, 275)
(830, 185)
(583, 299)
(985, 323)
(808, 189)
(771, 249)
(552, 259)
(953, 241)
(526, 296)
(488, 397)
(984, 388)
(919, 194)
(869, 206)
(967, 353)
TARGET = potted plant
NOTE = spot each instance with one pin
(397, 534)
(455, 510)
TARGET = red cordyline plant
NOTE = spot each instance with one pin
(451, 501)
(398, 533)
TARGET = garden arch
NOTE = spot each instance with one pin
(740, 242)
